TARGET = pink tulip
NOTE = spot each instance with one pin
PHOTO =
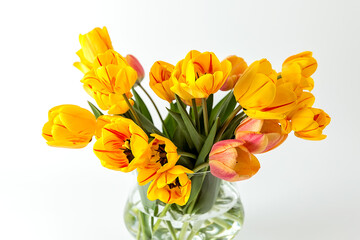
(231, 161)
(136, 65)
(260, 135)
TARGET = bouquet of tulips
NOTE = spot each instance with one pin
(261, 108)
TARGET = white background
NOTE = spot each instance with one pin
(304, 189)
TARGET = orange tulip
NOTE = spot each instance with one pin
(123, 145)
(260, 135)
(230, 160)
(160, 81)
(171, 186)
(163, 157)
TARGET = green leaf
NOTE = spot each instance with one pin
(197, 180)
(197, 139)
(170, 122)
(182, 128)
(141, 106)
(228, 108)
(144, 199)
(209, 142)
(216, 110)
(95, 110)
(229, 132)
(209, 103)
(149, 126)
(208, 194)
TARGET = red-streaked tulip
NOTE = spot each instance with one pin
(309, 123)
(260, 135)
(230, 160)
(69, 126)
(136, 65)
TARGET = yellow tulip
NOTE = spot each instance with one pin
(171, 186)
(123, 145)
(101, 121)
(93, 43)
(306, 99)
(309, 123)
(160, 81)
(69, 126)
(259, 94)
(110, 78)
(238, 68)
(199, 75)
(163, 157)
(298, 69)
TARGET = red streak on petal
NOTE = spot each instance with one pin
(117, 133)
(148, 177)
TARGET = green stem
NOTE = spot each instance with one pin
(162, 214)
(138, 235)
(142, 226)
(201, 166)
(192, 235)
(171, 229)
(196, 114)
(183, 231)
(187, 154)
(137, 120)
(222, 223)
(205, 115)
(227, 122)
(157, 110)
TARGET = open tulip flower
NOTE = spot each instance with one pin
(232, 161)
(260, 135)
(69, 126)
(259, 94)
(163, 157)
(93, 43)
(122, 146)
(171, 186)
(110, 79)
(199, 75)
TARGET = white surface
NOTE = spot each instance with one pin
(304, 190)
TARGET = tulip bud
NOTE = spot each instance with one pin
(238, 68)
(69, 126)
(135, 64)
(230, 160)
(260, 135)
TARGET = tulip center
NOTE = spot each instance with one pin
(174, 184)
(162, 155)
(127, 151)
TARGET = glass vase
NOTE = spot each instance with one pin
(215, 213)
